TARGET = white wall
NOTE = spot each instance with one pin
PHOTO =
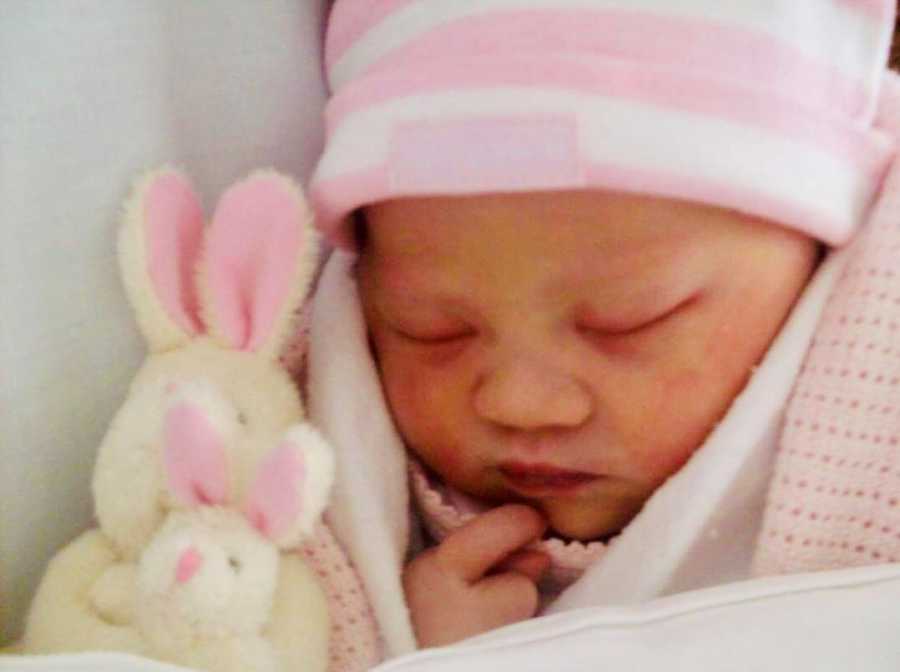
(92, 93)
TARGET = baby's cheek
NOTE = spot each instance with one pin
(424, 415)
(739, 336)
(406, 396)
(694, 398)
(447, 460)
(677, 424)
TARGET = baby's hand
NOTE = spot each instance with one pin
(478, 579)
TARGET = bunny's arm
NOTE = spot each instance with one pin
(128, 487)
(113, 594)
(62, 618)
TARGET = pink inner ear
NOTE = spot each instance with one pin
(194, 457)
(274, 502)
(174, 236)
(253, 251)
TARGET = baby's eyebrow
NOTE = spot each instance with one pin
(638, 265)
(420, 286)
(400, 279)
(634, 264)
(430, 302)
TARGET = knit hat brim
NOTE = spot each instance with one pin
(512, 121)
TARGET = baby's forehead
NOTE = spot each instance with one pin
(626, 224)
(550, 243)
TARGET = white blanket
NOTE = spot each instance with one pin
(697, 530)
(779, 624)
(643, 606)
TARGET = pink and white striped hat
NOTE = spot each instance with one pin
(765, 107)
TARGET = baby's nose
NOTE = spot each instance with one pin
(528, 395)
(188, 564)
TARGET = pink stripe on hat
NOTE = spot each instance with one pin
(768, 105)
(877, 9)
(621, 80)
(698, 47)
(348, 25)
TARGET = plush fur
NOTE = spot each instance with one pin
(223, 618)
(129, 499)
(219, 600)
(298, 284)
(215, 305)
(156, 324)
(67, 617)
(128, 490)
(62, 617)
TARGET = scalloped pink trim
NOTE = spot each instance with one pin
(569, 559)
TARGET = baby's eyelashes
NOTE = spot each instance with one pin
(434, 337)
(614, 327)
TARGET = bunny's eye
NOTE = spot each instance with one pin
(242, 418)
(234, 563)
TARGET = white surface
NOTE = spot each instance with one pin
(92, 93)
(780, 624)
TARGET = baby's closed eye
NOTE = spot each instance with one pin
(634, 321)
(433, 335)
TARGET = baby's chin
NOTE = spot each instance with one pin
(588, 520)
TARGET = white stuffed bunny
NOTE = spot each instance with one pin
(216, 305)
(209, 581)
(212, 419)
(211, 591)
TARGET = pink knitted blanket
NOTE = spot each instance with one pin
(835, 494)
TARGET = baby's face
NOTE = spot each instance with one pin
(569, 350)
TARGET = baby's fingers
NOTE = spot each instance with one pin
(532, 564)
(508, 598)
(474, 549)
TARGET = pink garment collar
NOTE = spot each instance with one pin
(444, 509)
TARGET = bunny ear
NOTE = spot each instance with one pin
(195, 460)
(292, 487)
(159, 246)
(259, 261)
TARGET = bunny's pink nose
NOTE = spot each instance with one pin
(188, 564)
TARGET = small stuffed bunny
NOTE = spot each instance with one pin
(211, 591)
(215, 305)
(208, 583)
(212, 419)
